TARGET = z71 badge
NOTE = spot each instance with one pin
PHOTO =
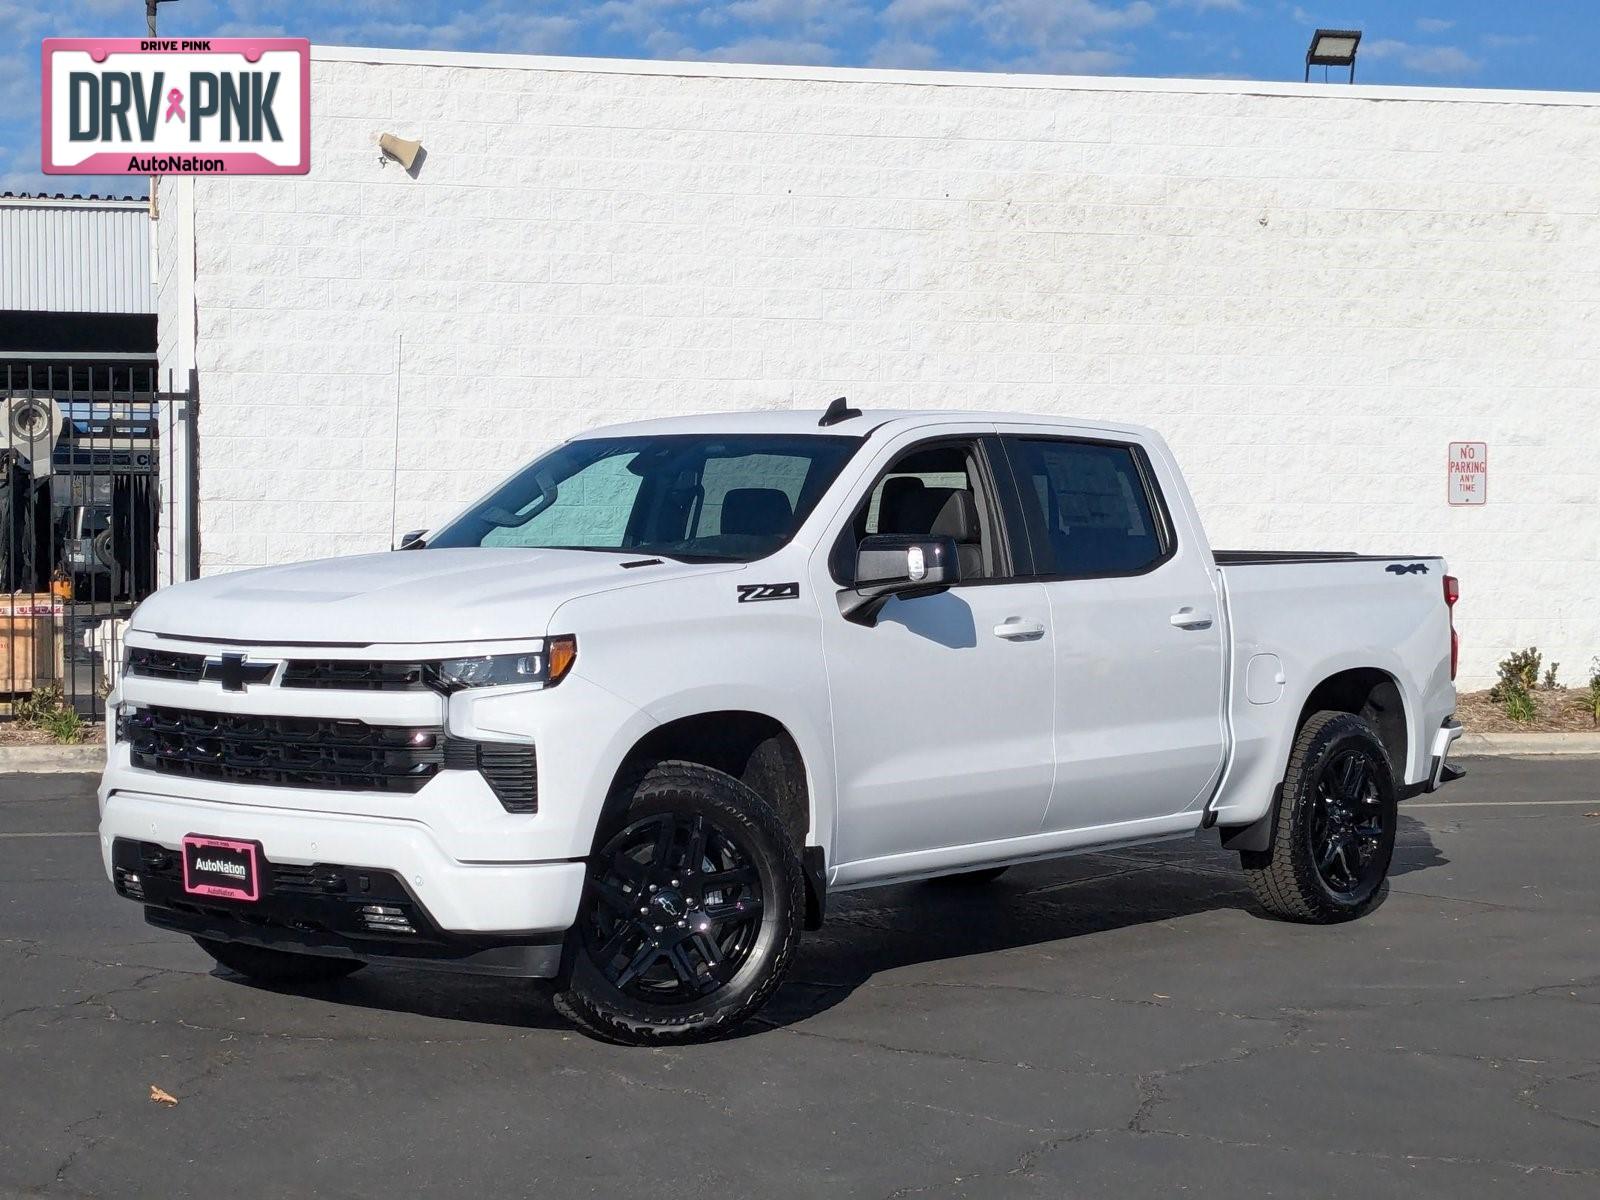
(749, 592)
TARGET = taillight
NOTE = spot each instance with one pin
(1452, 593)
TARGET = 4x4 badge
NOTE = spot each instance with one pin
(749, 592)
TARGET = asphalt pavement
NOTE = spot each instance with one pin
(1114, 1024)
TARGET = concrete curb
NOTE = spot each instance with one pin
(1497, 745)
(41, 760)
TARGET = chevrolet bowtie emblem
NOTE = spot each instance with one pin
(235, 674)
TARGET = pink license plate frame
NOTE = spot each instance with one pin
(198, 843)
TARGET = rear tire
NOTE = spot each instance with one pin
(1335, 831)
(691, 915)
(277, 966)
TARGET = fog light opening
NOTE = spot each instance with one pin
(385, 918)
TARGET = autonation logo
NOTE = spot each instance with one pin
(161, 106)
(221, 866)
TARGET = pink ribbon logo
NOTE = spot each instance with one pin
(174, 106)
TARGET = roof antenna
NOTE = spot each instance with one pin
(838, 411)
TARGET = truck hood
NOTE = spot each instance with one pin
(451, 595)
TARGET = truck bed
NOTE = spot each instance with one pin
(1259, 558)
(1286, 609)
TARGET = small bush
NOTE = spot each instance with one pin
(48, 711)
(1519, 706)
(32, 712)
(65, 726)
(1519, 675)
(1550, 675)
(1593, 698)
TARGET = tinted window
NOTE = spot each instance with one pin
(1088, 511)
(928, 492)
(734, 498)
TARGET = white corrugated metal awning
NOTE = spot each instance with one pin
(60, 254)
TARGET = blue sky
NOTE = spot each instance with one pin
(1477, 43)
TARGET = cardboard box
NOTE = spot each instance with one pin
(32, 642)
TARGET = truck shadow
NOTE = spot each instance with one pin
(869, 932)
(883, 929)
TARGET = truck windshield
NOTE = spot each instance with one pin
(734, 498)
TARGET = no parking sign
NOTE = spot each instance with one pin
(1469, 472)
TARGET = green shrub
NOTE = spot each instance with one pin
(1519, 675)
(47, 710)
(1518, 706)
(1592, 700)
(1550, 674)
(1519, 672)
(65, 726)
(34, 710)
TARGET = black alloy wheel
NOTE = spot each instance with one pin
(1347, 822)
(678, 908)
(691, 912)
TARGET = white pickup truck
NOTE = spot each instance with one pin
(626, 721)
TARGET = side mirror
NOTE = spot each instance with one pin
(896, 565)
(412, 540)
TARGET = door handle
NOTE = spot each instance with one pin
(1190, 618)
(1015, 629)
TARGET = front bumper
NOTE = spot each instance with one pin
(328, 910)
(467, 906)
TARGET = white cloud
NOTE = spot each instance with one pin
(1424, 60)
(789, 51)
(808, 13)
(905, 54)
(638, 17)
(1042, 21)
(1079, 61)
(1236, 6)
(926, 15)
(1434, 24)
(1502, 41)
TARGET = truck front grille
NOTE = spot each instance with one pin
(329, 754)
(338, 674)
(354, 675)
(165, 664)
(283, 751)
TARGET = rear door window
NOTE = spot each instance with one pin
(1088, 507)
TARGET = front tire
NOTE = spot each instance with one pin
(262, 965)
(691, 915)
(1336, 818)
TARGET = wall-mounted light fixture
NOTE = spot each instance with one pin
(1333, 48)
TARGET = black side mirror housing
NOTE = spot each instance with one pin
(412, 540)
(889, 564)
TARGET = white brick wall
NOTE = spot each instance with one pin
(1310, 290)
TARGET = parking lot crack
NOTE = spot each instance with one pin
(1526, 1168)
(81, 1143)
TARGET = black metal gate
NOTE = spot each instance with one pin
(96, 511)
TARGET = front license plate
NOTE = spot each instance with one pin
(220, 867)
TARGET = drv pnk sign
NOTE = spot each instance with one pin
(169, 106)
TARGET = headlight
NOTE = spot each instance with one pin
(497, 670)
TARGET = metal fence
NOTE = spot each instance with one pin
(96, 498)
